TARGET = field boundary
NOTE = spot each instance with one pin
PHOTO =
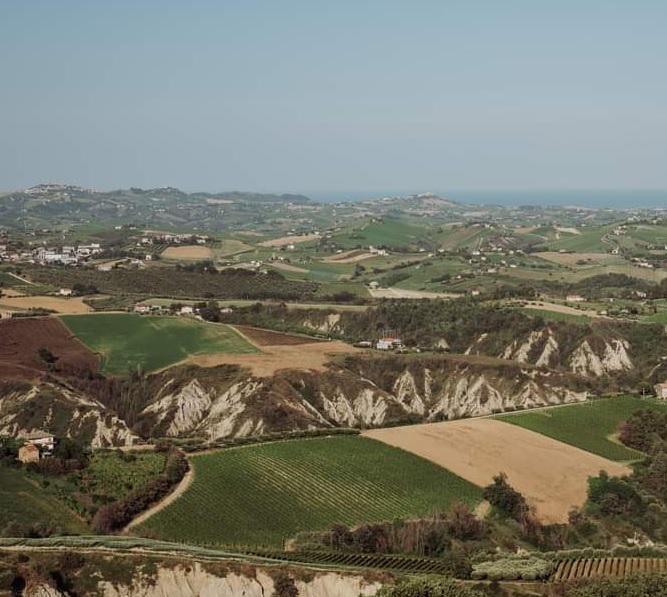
(183, 485)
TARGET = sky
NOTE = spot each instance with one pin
(307, 96)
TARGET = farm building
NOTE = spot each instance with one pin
(142, 308)
(44, 441)
(388, 343)
(661, 390)
(28, 452)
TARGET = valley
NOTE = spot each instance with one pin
(371, 387)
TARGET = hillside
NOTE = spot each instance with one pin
(228, 401)
(626, 352)
(55, 204)
(340, 480)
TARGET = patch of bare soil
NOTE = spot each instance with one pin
(551, 475)
(312, 356)
(574, 258)
(283, 241)
(262, 337)
(187, 252)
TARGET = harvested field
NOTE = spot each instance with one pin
(478, 449)
(573, 258)
(313, 356)
(403, 293)
(349, 257)
(564, 309)
(262, 337)
(21, 339)
(11, 292)
(283, 241)
(188, 253)
(53, 303)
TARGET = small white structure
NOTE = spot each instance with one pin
(186, 310)
(661, 390)
(44, 441)
(574, 298)
(388, 343)
(142, 308)
(65, 292)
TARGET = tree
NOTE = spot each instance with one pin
(284, 586)
(47, 356)
(502, 496)
(462, 523)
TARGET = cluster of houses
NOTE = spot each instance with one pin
(182, 310)
(65, 255)
(174, 239)
(37, 445)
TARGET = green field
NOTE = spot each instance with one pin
(23, 500)
(128, 341)
(389, 231)
(114, 475)
(264, 494)
(589, 425)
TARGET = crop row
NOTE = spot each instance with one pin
(392, 562)
(619, 567)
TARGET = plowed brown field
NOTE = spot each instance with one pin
(21, 339)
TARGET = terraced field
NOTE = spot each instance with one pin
(128, 341)
(589, 425)
(264, 494)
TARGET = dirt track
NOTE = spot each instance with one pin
(180, 489)
(552, 475)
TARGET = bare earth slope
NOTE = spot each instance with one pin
(552, 475)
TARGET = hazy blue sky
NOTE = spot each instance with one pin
(346, 95)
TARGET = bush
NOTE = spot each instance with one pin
(118, 514)
(524, 568)
(502, 496)
(640, 585)
(613, 496)
(428, 586)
